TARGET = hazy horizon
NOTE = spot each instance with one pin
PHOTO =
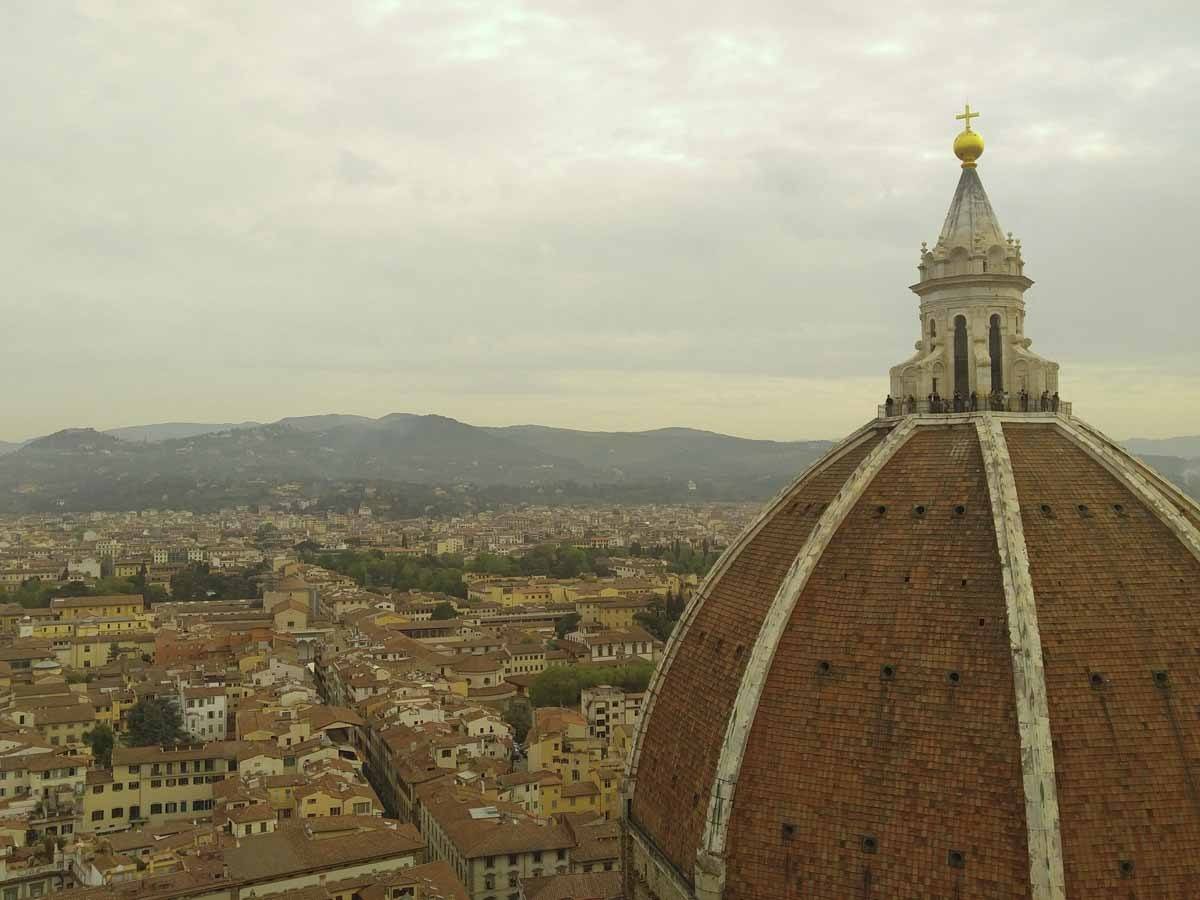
(596, 216)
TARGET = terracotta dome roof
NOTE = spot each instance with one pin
(959, 657)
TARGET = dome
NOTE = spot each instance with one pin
(968, 147)
(958, 657)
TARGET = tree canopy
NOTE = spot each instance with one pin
(519, 717)
(444, 611)
(660, 617)
(198, 582)
(562, 685)
(154, 721)
(102, 740)
(566, 624)
(372, 568)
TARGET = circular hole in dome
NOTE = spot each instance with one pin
(1046, 510)
(1161, 678)
(960, 510)
(1118, 509)
(964, 582)
(824, 667)
(1125, 867)
(881, 510)
(919, 510)
(1083, 510)
(1096, 680)
(956, 858)
(953, 677)
(982, 621)
(887, 672)
(870, 843)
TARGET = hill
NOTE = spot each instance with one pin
(1182, 447)
(418, 462)
(166, 431)
(86, 469)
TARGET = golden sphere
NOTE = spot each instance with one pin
(968, 147)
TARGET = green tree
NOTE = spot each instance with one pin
(519, 717)
(556, 686)
(190, 582)
(566, 625)
(102, 740)
(154, 720)
(444, 611)
(657, 620)
(562, 685)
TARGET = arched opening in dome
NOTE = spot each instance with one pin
(962, 379)
(994, 348)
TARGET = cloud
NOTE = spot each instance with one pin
(575, 213)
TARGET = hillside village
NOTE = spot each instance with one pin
(327, 738)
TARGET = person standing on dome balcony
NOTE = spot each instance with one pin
(889, 406)
(1054, 402)
(958, 402)
(974, 401)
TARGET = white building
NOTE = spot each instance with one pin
(204, 712)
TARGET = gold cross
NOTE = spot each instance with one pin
(968, 116)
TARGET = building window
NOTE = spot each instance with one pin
(156, 809)
(118, 812)
(98, 815)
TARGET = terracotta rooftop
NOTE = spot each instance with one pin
(879, 741)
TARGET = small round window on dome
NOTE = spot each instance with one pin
(870, 843)
(960, 510)
(887, 672)
(1160, 677)
(953, 677)
(956, 859)
(1125, 867)
(918, 511)
(881, 510)
(1047, 511)
(1096, 680)
(824, 667)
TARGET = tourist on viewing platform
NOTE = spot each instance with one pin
(1054, 402)
(974, 401)
(958, 402)
(889, 405)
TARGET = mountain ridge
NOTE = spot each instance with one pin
(198, 464)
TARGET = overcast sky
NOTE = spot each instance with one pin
(608, 215)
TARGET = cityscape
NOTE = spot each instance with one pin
(850, 563)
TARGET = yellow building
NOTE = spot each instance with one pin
(510, 592)
(610, 611)
(89, 651)
(61, 725)
(110, 606)
(149, 785)
(331, 797)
